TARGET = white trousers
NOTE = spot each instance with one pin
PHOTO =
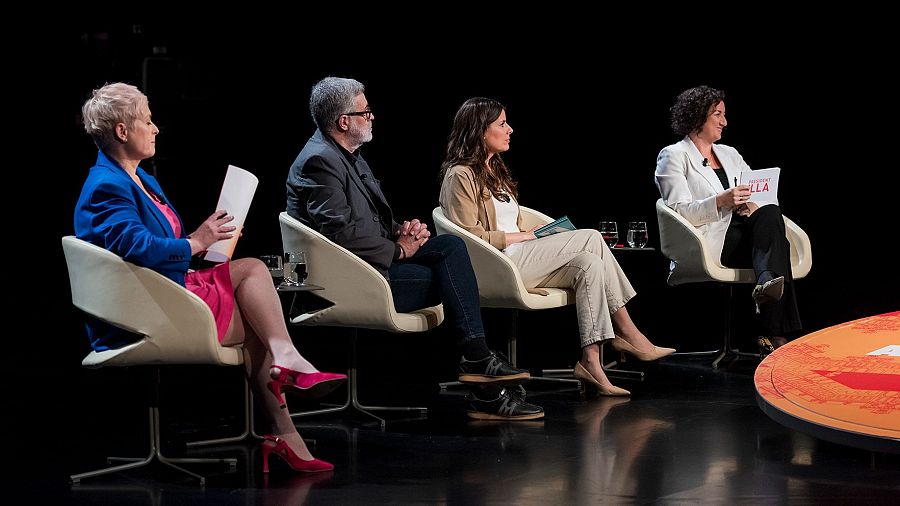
(579, 260)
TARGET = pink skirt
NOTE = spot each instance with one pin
(214, 286)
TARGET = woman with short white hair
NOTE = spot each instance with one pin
(122, 208)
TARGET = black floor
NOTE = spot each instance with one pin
(688, 435)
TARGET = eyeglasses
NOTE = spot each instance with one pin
(367, 114)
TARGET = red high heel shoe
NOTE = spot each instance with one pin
(274, 444)
(310, 385)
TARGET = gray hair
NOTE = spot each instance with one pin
(108, 106)
(332, 97)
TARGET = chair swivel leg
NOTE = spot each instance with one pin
(249, 426)
(352, 400)
(155, 451)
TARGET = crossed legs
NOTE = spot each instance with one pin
(258, 324)
(759, 241)
(582, 261)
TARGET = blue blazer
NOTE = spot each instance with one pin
(114, 213)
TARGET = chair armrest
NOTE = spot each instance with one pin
(499, 281)
(691, 258)
(532, 218)
(801, 249)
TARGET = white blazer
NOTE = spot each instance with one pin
(690, 188)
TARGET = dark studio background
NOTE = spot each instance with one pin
(590, 115)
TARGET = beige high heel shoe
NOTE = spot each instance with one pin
(623, 346)
(588, 379)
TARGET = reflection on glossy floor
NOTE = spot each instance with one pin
(687, 435)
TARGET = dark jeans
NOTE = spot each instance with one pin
(759, 241)
(440, 271)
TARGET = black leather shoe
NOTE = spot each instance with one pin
(508, 405)
(771, 290)
(491, 369)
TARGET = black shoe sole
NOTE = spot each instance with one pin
(512, 379)
(478, 415)
(771, 290)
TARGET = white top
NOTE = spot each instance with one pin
(507, 214)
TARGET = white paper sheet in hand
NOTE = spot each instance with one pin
(236, 196)
(763, 185)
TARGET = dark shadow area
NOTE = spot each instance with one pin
(686, 435)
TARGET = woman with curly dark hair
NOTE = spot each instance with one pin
(694, 178)
(479, 194)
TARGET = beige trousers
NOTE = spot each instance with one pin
(579, 260)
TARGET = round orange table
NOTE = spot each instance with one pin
(840, 384)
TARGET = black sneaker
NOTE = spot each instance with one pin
(491, 369)
(491, 390)
(508, 405)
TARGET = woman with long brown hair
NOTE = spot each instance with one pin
(479, 194)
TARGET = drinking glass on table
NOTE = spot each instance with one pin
(637, 234)
(275, 266)
(610, 233)
(294, 268)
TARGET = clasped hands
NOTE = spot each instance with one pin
(411, 236)
(214, 229)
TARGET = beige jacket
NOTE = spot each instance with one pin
(470, 207)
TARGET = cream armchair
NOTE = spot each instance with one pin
(693, 261)
(499, 282)
(176, 325)
(360, 296)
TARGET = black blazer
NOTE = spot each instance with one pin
(341, 201)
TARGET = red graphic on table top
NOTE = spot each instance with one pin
(865, 380)
(887, 322)
(828, 378)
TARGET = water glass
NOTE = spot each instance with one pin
(637, 234)
(275, 266)
(610, 233)
(294, 268)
